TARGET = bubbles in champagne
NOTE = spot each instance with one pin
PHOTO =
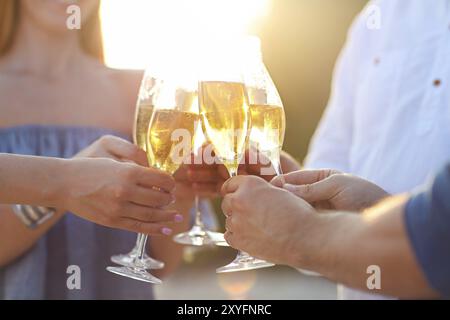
(268, 124)
(143, 116)
(224, 111)
(170, 138)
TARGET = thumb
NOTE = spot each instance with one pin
(319, 191)
(279, 181)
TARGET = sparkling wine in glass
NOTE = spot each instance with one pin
(168, 143)
(268, 120)
(199, 234)
(225, 119)
(239, 120)
(225, 115)
(143, 114)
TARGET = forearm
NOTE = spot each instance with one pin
(31, 180)
(16, 238)
(27, 180)
(341, 246)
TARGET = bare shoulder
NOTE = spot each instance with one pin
(128, 82)
(10, 83)
(131, 79)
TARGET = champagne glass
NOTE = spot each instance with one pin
(268, 120)
(168, 142)
(199, 235)
(225, 119)
(143, 113)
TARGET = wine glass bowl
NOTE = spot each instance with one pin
(224, 112)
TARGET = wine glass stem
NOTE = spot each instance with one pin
(141, 245)
(233, 172)
(241, 254)
(138, 240)
(278, 170)
(198, 214)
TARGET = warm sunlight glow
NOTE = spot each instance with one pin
(139, 33)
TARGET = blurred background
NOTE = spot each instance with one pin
(300, 40)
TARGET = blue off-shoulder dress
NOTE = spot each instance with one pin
(41, 273)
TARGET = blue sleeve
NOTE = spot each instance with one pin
(427, 218)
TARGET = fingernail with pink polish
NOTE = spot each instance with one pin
(179, 218)
(166, 231)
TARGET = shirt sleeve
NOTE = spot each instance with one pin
(427, 218)
(330, 145)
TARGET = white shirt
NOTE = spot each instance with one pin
(388, 118)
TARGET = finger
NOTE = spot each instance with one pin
(229, 238)
(257, 163)
(206, 187)
(229, 224)
(102, 154)
(150, 197)
(151, 177)
(208, 194)
(302, 177)
(107, 156)
(181, 173)
(148, 228)
(231, 185)
(222, 171)
(298, 178)
(319, 191)
(227, 205)
(198, 161)
(124, 150)
(208, 190)
(154, 215)
(203, 175)
(204, 157)
(211, 194)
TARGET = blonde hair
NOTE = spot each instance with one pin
(90, 33)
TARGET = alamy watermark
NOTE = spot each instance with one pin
(372, 15)
(74, 279)
(73, 21)
(374, 280)
(231, 140)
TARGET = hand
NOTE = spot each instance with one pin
(202, 176)
(208, 176)
(202, 179)
(114, 148)
(330, 189)
(120, 195)
(262, 219)
(259, 165)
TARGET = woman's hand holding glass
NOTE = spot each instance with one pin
(116, 190)
(120, 195)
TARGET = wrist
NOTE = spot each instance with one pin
(60, 186)
(303, 246)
